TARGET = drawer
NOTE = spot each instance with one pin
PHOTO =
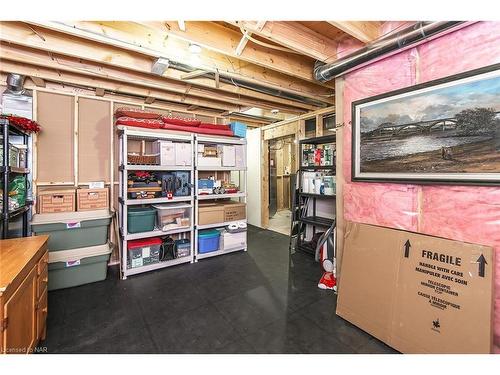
(41, 314)
(42, 263)
(43, 276)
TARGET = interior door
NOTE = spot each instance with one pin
(20, 335)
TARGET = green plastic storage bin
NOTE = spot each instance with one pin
(72, 230)
(141, 219)
(68, 268)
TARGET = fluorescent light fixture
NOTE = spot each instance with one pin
(194, 48)
(160, 66)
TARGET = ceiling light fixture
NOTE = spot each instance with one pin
(194, 48)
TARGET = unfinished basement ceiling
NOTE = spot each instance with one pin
(267, 68)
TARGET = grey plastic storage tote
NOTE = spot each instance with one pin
(68, 268)
(72, 230)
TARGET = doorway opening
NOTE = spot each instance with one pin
(282, 175)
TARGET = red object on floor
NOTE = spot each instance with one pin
(195, 129)
(328, 281)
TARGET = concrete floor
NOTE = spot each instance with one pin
(281, 222)
(260, 301)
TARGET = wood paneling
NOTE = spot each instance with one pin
(55, 148)
(93, 140)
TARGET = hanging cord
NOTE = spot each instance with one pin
(247, 35)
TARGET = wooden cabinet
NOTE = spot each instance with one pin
(23, 293)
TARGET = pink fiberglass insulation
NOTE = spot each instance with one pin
(464, 213)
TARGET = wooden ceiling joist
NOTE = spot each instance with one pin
(123, 37)
(294, 36)
(364, 31)
(195, 74)
(115, 86)
(223, 40)
(38, 81)
(95, 69)
(246, 37)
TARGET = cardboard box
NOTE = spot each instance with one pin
(228, 156)
(166, 151)
(209, 161)
(183, 154)
(210, 213)
(417, 293)
(92, 199)
(234, 211)
(56, 200)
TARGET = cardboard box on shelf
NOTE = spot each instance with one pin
(417, 293)
(183, 154)
(234, 211)
(228, 156)
(166, 151)
(210, 213)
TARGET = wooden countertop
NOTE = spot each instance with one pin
(16, 254)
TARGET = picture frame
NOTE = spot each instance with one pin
(445, 131)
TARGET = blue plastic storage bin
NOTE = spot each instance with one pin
(208, 241)
(239, 129)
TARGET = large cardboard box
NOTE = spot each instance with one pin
(210, 213)
(417, 293)
(234, 211)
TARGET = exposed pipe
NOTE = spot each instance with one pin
(249, 85)
(15, 84)
(393, 42)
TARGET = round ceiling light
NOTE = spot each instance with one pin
(194, 48)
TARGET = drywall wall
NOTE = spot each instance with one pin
(254, 198)
(55, 143)
(464, 213)
(94, 121)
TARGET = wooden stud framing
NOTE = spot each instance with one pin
(63, 63)
(294, 36)
(125, 41)
(319, 125)
(363, 31)
(39, 82)
(265, 184)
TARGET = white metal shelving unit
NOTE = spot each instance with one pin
(125, 134)
(241, 196)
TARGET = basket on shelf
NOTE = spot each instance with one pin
(142, 158)
(134, 158)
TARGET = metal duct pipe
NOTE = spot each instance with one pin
(15, 84)
(402, 39)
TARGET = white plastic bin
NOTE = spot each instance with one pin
(172, 216)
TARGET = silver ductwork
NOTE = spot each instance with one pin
(394, 42)
(15, 84)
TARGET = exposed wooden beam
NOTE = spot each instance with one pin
(156, 42)
(38, 81)
(96, 69)
(294, 36)
(192, 107)
(245, 38)
(364, 31)
(195, 74)
(120, 87)
(223, 40)
(99, 91)
(149, 100)
(217, 79)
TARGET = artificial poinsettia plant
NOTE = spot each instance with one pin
(23, 123)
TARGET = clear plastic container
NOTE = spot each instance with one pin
(172, 216)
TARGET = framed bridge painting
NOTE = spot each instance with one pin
(445, 131)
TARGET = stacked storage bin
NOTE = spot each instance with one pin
(78, 246)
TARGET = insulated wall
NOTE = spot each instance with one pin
(464, 213)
